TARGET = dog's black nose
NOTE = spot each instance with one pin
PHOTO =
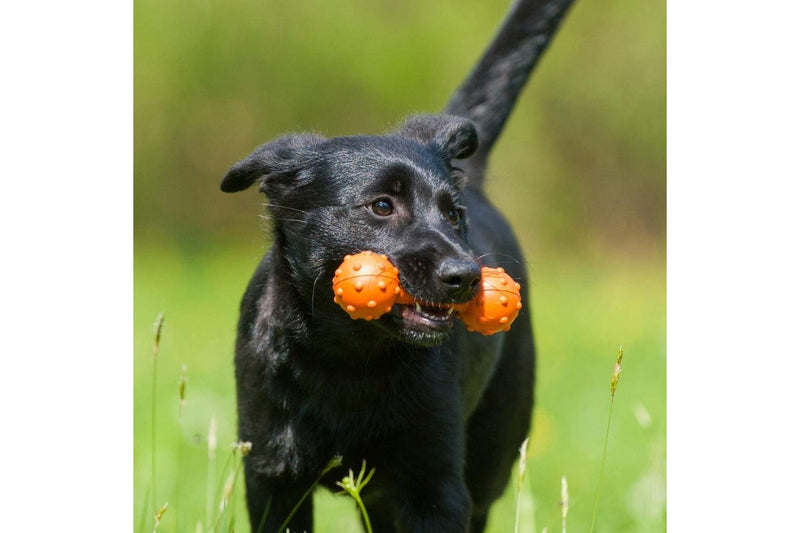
(459, 277)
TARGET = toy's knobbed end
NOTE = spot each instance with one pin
(366, 285)
(496, 304)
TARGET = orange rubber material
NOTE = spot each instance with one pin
(367, 285)
(496, 304)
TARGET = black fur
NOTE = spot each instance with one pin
(438, 412)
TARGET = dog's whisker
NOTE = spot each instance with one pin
(280, 219)
(276, 206)
(314, 291)
(511, 259)
(507, 256)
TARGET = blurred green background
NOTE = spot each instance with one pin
(580, 172)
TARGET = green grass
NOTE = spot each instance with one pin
(584, 309)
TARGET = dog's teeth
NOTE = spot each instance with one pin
(450, 310)
(418, 307)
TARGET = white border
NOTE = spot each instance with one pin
(67, 271)
(732, 266)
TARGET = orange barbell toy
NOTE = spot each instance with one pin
(367, 285)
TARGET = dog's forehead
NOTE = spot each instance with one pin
(367, 158)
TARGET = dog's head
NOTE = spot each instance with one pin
(397, 194)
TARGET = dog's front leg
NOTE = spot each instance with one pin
(427, 469)
(441, 508)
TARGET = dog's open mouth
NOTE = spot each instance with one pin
(426, 316)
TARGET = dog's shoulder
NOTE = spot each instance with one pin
(268, 312)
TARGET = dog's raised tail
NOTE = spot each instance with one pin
(489, 93)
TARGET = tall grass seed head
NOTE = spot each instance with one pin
(617, 370)
(157, 333)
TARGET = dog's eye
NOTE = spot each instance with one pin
(454, 216)
(382, 207)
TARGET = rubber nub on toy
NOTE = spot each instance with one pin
(366, 285)
(496, 304)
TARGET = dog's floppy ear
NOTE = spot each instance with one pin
(278, 161)
(452, 136)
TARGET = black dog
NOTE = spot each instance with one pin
(438, 412)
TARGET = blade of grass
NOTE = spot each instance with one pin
(264, 516)
(159, 515)
(211, 470)
(230, 482)
(143, 514)
(179, 467)
(241, 449)
(156, 342)
(220, 482)
(614, 383)
(523, 455)
(333, 463)
(564, 503)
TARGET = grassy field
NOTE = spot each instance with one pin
(583, 311)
